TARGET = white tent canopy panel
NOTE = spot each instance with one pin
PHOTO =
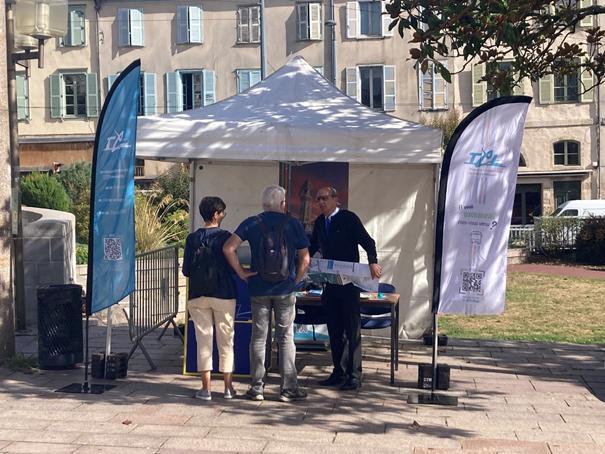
(293, 115)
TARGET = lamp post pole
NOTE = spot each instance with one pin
(17, 226)
(7, 309)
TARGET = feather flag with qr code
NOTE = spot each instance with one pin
(476, 195)
(111, 246)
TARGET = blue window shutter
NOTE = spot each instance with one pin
(303, 21)
(243, 80)
(390, 88)
(123, 28)
(76, 33)
(195, 24)
(22, 98)
(209, 94)
(182, 25)
(110, 80)
(254, 77)
(150, 93)
(55, 82)
(174, 97)
(92, 95)
(136, 28)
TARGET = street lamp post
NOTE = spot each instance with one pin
(28, 24)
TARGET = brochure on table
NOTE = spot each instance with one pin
(323, 271)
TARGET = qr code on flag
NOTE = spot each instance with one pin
(112, 249)
(472, 282)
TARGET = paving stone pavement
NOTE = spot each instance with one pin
(514, 397)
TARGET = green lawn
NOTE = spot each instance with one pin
(540, 308)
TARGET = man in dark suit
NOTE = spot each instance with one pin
(337, 233)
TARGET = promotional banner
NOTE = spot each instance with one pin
(111, 247)
(476, 195)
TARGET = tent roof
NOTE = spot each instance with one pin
(295, 114)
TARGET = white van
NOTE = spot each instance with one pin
(581, 208)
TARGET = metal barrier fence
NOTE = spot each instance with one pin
(155, 301)
(522, 236)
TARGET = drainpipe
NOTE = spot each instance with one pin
(331, 23)
(263, 44)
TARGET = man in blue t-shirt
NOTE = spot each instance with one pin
(277, 294)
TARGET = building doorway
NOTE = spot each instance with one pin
(528, 204)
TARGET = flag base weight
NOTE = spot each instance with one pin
(433, 399)
(79, 388)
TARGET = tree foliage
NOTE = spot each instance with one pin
(537, 37)
(76, 178)
(174, 184)
(44, 191)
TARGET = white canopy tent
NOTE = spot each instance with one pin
(295, 115)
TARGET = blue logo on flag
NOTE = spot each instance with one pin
(484, 158)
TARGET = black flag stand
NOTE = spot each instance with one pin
(86, 388)
(433, 398)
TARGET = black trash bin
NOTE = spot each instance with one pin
(60, 343)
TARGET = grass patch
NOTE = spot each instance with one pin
(539, 308)
(21, 363)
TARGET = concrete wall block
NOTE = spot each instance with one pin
(51, 273)
(51, 228)
(36, 249)
(31, 305)
(58, 250)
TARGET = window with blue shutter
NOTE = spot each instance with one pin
(73, 95)
(246, 78)
(248, 24)
(130, 27)
(189, 24)
(76, 27)
(22, 97)
(432, 88)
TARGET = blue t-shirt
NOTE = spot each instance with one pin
(250, 231)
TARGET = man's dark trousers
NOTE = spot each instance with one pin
(341, 305)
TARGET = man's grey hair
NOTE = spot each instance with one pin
(272, 198)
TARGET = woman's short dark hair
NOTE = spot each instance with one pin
(210, 205)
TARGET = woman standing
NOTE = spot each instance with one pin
(211, 295)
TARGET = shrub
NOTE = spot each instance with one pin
(591, 242)
(447, 122)
(153, 227)
(81, 254)
(44, 191)
(76, 178)
(555, 235)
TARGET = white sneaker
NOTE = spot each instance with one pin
(203, 394)
(230, 393)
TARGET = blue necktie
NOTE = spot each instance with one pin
(328, 221)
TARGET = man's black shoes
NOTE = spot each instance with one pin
(332, 380)
(350, 385)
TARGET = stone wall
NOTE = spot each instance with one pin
(49, 252)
